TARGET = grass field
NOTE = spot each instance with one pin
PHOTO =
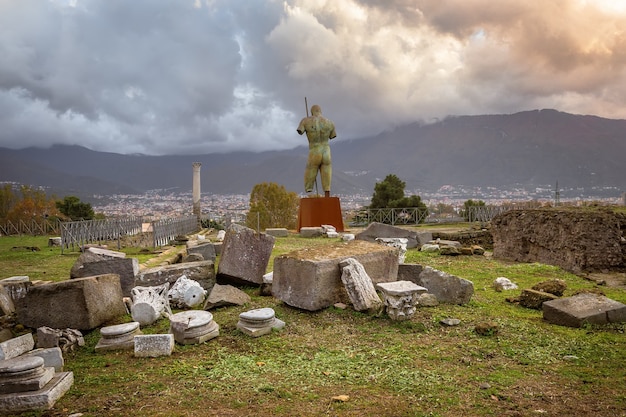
(344, 363)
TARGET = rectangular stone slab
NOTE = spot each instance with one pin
(16, 346)
(81, 303)
(154, 345)
(583, 308)
(42, 399)
(202, 271)
(310, 279)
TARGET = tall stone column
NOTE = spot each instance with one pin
(196, 188)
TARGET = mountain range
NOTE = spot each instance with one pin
(527, 149)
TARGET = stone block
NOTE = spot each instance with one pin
(380, 230)
(15, 279)
(17, 346)
(359, 285)
(245, 255)
(154, 345)
(6, 302)
(446, 287)
(423, 238)
(54, 241)
(52, 357)
(17, 286)
(410, 272)
(277, 232)
(310, 279)
(82, 303)
(225, 295)
(43, 399)
(97, 261)
(311, 231)
(206, 249)
(583, 308)
(203, 272)
(218, 247)
(534, 299)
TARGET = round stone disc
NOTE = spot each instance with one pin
(193, 318)
(20, 364)
(259, 314)
(119, 329)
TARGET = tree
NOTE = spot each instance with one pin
(389, 190)
(271, 205)
(389, 194)
(8, 199)
(467, 207)
(33, 204)
(72, 207)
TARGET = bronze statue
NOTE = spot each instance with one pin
(319, 131)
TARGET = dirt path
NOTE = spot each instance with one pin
(610, 279)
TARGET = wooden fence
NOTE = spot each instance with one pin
(166, 230)
(39, 227)
(79, 233)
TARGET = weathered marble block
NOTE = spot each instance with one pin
(98, 261)
(396, 242)
(359, 285)
(277, 231)
(16, 346)
(206, 249)
(82, 303)
(400, 298)
(310, 279)
(380, 230)
(154, 345)
(16, 288)
(201, 271)
(52, 357)
(583, 308)
(245, 255)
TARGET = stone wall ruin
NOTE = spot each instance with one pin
(576, 239)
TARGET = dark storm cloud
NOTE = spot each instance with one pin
(199, 76)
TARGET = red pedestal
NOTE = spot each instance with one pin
(316, 211)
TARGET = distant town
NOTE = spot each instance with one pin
(157, 204)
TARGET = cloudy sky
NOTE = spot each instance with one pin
(202, 76)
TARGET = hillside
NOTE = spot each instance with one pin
(525, 149)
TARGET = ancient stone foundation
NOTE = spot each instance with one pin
(577, 240)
